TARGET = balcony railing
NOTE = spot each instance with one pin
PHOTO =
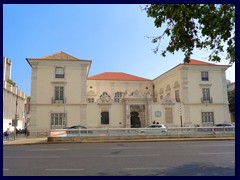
(58, 101)
(208, 100)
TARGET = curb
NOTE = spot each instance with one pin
(32, 142)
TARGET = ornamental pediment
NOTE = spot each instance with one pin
(105, 99)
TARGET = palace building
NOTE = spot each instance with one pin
(63, 95)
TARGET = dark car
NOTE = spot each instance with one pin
(224, 124)
(79, 127)
(225, 127)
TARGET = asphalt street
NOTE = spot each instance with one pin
(187, 158)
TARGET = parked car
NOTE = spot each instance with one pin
(79, 127)
(154, 128)
(224, 124)
(225, 127)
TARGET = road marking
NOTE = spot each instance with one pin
(47, 149)
(130, 147)
(145, 168)
(133, 155)
(29, 157)
(226, 145)
(223, 153)
(5, 169)
(64, 169)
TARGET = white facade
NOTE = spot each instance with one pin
(63, 95)
(13, 99)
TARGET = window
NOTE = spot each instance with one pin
(177, 96)
(57, 120)
(59, 93)
(59, 72)
(105, 118)
(204, 75)
(118, 97)
(206, 95)
(207, 118)
(91, 100)
(168, 88)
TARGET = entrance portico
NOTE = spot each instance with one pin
(137, 109)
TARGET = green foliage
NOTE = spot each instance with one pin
(11, 82)
(201, 26)
(231, 99)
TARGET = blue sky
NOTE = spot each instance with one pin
(112, 36)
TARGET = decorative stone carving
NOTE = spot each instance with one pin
(135, 93)
(167, 101)
(147, 93)
(105, 98)
(137, 108)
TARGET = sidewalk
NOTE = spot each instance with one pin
(24, 140)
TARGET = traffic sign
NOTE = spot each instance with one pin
(14, 122)
(17, 116)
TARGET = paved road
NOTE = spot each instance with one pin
(194, 158)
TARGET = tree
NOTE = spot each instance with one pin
(11, 82)
(201, 26)
(231, 99)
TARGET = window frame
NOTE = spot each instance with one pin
(58, 120)
(59, 93)
(207, 118)
(204, 76)
(177, 95)
(206, 94)
(118, 97)
(59, 72)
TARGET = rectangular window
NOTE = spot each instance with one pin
(207, 118)
(105, 118)
(168, 115)
(204, 76)
(118, 97)
(59, 94)
(177, 97)
(57, 120)
(206, 95)
(91, 100)
(59, 72)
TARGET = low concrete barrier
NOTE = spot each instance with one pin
(137, 138)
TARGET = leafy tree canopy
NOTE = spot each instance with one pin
(201, 26)
(231, 99)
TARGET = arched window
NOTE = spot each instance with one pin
(168, 88)
(176, 84)
(118, 97)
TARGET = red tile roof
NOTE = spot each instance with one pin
(117, 76)
(56, 56)
(201, 63)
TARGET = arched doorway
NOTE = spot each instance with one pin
(135, 120)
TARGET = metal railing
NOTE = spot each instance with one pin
(141, 131)
(209, 100)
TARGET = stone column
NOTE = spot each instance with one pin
(127, 116)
